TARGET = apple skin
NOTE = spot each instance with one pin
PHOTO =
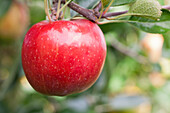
(63, 57)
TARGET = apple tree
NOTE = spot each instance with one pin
(84, 56)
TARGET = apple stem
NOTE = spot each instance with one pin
(101, 13)
(64, 8)
(64, 11)
(58, 9)
(47, 10)
(65, 5)
(49, 5)
(109, 6)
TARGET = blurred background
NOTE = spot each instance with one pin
(135, 78)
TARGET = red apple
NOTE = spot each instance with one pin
(63, 57)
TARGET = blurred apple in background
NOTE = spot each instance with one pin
(152, 44)
(14, 22)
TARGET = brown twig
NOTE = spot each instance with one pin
(98, 7)
(85, 12)
(166, 7)
(113, 14)
(89, 14)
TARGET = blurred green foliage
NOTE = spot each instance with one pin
(126, 84)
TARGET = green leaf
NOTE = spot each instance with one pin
(148, 8)
(122, 2)
(152, 26)
(4, 5)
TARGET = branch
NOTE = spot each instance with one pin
(123, 12)
(85, 12)
(98, 7)
(166, 7)
(127, 51)
(94, 14)
(112, 14)
(89, 14)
